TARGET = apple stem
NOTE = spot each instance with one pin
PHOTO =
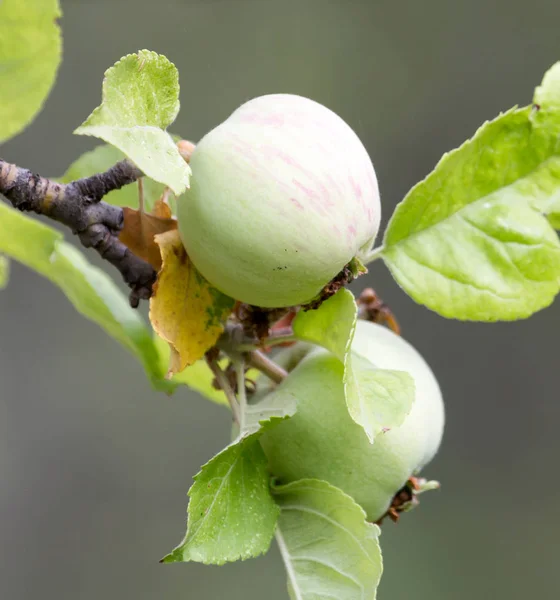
(284, 337)
(268, 367)
(241, 392)
(373, 255)
(225, 386)
(140, 194)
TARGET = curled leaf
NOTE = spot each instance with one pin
(185, 309)
(139, 231)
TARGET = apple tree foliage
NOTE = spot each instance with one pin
(475, 240)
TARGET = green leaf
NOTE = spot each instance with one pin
(198, 376)
(140, 100)
(4, 271)
(331, 325)
(102, 158)
(231, 514)
(468, 241)
(277, 404)
(89, 289)
(546, 189)
(30, 53)
(542, 189)
(377, 399)
(554, 215)
(329, 549)
(547, 100)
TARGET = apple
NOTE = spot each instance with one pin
(283, 195)
(321, 441)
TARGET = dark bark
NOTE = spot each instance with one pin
(79, 206)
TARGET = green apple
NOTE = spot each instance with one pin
(283, 195)
(322, 441)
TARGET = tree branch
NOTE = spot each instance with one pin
(78, 205)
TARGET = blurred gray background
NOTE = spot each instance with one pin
(95, 466)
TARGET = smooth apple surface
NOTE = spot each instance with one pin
(322, 441)
(283, 195)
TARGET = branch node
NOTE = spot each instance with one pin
(78, 206)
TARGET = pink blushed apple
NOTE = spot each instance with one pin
(283, 195)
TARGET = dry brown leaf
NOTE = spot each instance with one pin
(185, 310)
(161, 208)
(140, 228)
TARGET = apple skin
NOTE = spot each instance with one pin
(283, 195)
(321, 441)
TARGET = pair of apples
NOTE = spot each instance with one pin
(283, 195)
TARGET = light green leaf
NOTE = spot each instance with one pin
(198, 376)
(542, 189)
(547, 100)
(30, 53)
(102, 158)
(140, 100)
(468, 241)
(554, 215)
(544, 185)
(89, 289)
(277, 404)
(4, 271)
(377, 399)
(328, 548)
(331, 325)
(231, 514)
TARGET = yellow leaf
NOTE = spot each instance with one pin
(185, 310)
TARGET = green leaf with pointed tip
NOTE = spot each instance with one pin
(377, 399)
(231, 515)
(469, 241)
(331, 325)
(140, 100)
(328, 547)
(102, 158)
(90, 290)
(4, 272)
(30, 53)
